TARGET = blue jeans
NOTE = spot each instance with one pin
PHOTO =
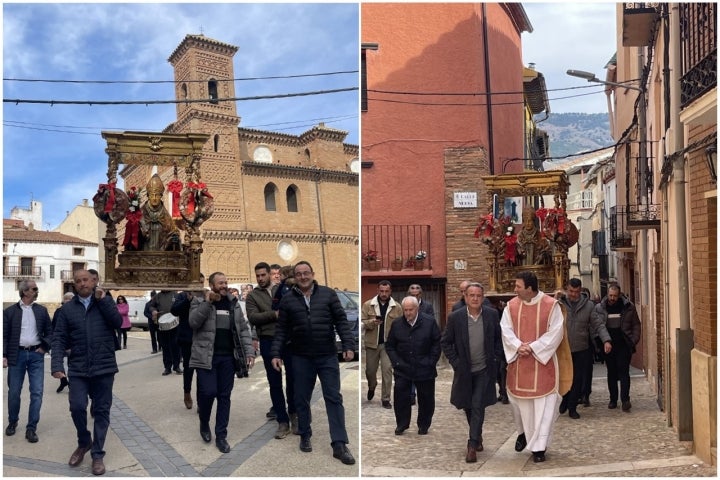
(33, 363)
(327, 369)
(99, 389)
(216, 383)
(277, 397)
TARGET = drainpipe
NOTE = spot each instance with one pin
(488, 96)
(323, 238)
(643, 198)
(684, 338)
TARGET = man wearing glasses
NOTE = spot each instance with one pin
(26, 337)
(309, 316)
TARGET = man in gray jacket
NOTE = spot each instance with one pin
(219, 329)
(582, 324)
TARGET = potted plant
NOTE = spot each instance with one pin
(420, 260)
(371, 257)
(397, 264)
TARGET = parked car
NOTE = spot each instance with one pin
(351, 304)
(137, 310)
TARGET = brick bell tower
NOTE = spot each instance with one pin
(203, 70)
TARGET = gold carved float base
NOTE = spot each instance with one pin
(140, 270)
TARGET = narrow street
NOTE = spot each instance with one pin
(602, 443)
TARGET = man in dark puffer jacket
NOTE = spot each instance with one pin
(309, 316)
(86, 326)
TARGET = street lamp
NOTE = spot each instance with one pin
(590, 77)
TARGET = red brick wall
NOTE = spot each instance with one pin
(703, 248)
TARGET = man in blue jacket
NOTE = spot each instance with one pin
(86, 326)
(309, 316)
(26, 338)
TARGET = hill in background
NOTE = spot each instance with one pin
(577, 132)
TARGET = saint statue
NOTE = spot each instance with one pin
(531, 245)
(157, 227)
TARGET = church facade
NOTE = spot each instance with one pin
(278, 198)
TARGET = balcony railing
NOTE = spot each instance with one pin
(642, 217)
(698, 50)
(66, 275)
(620, 238)
(22, 272)
(393, 242)
(582, 200)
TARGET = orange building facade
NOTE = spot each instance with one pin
(442, 105)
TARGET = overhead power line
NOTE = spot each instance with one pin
(158, 102)
(471, 104)
(275, 77)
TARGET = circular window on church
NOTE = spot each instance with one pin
(262, 154)
(355, 165)
(287, 249)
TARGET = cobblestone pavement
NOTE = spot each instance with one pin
(602, 443)
(153, 434)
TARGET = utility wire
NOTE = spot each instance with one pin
(158, 102)
(42, 80)
(468, 104)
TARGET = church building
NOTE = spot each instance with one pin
(278, 198)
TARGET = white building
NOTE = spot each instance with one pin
(48, 258)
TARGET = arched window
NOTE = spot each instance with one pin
(216, 142)
(183, 91)
(270, 190)
(291, 197)
(307, 155)
(213, 91)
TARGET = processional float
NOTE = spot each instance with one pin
(160, 247)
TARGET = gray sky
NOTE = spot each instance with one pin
(571, 35)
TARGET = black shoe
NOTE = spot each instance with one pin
(386, 404)
(422, 431)
(371, 394)
(539, 457)
(154, 351)
(31, 435)
(626, 406)
(222, 445)
(10, 430)
(271, 413)
(166, 372)
(400, 430)
(563, 407)
(520, 443)
(63, 383)
(586, 401)
(205, 433)
(505, 400)
(179, 371)
(574, 414)
(612, 405)
(341, 452)
(305, 444)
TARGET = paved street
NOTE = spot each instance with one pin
(153, 434)
(602, 443)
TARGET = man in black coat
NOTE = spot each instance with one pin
(26, 338)
(86, 325)
(181, 309)
(473, 346)
(309, 316)
(413, 346)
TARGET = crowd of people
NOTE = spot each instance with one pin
(212, 334)
(538, 349)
